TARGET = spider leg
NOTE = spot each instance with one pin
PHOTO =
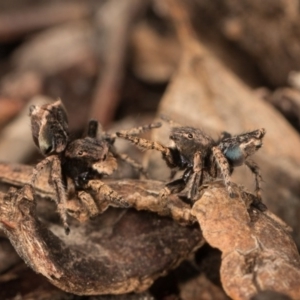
(225, 135)
(56, 180)
(105, 195)
(177, 185)
(171, 122)
(196, 177)
(138, 130)
(95, 129)
(135, 165)
(38, 168)
(224, 168)
(90, 204)
(258, 179)
(107, 166)
(145, 144)
(173, 173)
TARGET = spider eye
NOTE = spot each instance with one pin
(80, 153)
(190, 136)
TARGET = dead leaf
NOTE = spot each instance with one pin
(258, 253)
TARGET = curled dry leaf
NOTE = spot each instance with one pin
(119, 252)
(258, 252)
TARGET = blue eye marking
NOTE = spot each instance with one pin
(234, 153)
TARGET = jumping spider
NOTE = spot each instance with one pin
(200, 156)
(81, 160)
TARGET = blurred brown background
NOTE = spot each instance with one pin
(220, 65)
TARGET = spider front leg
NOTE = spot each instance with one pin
(137, 130)
(196, 177)
(56, 181)
(135, 165)
(258, 179)
(225, 169)
(38, 169)
(144, 144)
(177, 185)
(104, 195)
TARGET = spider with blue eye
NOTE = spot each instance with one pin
(80, 160)
(199, 156)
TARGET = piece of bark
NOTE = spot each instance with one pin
(269, 295)
(132, 296)
(205, 94)
(202, 280)
(140, 194)
(200, 288)
(258, 252)
(20, 282)
(104, 256)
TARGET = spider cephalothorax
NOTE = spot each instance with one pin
(199, 156)
(189, 140)
(81, 160)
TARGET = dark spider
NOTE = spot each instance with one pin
(81, 160)
(199, 156)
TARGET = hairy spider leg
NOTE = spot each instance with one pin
(90, 204)
(144, 144)
(258, 179)
(101, 192)
(224, 168)
(38, 168)
(55, 179)
(169, 155)
(133, 131)
(196, 177)
(135, 165)
(138, 130)
(60, 191)
(170, 121)
(177, 185)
